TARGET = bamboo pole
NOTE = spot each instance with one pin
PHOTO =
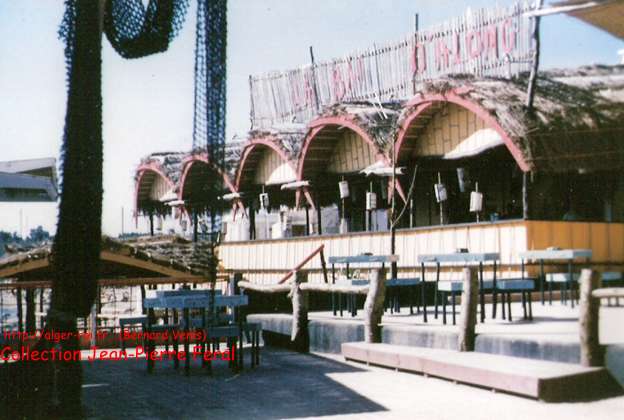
(468, 315)
(535, 36)
(592, 353)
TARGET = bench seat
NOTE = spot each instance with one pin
(352, 282)
(609, 276)
(452, 286)
(403, 282)
(561, 277)
(512, 285)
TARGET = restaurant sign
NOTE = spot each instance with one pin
(486, 42)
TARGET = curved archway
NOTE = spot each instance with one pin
(426, 105)
(455, 141)
(325, 131)
(255, 154)
(151, 184)
(337, 148)
(194, 170)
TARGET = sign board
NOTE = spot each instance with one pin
(485, 42)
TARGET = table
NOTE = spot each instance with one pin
(568, 255)
(186, 300)
(355, 259)
(459, 257)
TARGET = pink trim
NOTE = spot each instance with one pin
(252, 144)
(423, 102)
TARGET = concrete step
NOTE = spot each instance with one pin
(543, 380)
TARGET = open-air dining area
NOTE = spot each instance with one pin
(239, 218)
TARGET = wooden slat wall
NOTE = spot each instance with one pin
(447, 129)
(508, 238)
(159, 188)
(351, 154)
(606, 240)
(273, 170)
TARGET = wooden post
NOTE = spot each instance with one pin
(299, 335)
(314, 84)
(20, 317)
(31, 325)
(234, 288)
(93, 326)
(525, 196)
(592, 353)
(374, 306)
(468, 315)
(151, 223)
(535, 38)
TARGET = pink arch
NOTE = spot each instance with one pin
(317, 125)
(423, 103)
(189, 161)
(141, 170)
(271, 143)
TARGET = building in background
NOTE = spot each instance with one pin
(33, 180)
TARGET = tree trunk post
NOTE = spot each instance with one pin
(374, 306)
(299, 335)
(592, 353)
(468, 316)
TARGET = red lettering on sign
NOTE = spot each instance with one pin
(442, 53)
(508, 36)
(473, 44)
(457, 49)
(419, 59)
(490, 41)
(339, 85)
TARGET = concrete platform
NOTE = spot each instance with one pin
(547, 381)
(552, 335)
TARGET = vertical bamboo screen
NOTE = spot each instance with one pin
(485, 42)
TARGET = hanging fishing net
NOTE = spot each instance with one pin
(134, 31)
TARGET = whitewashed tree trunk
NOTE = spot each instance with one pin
(374, 306)
(592, 353)
(468, 315)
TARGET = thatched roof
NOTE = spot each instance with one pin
(377, 120)
(166, 251)
(287, 137)
(577, 119)
(169, 162)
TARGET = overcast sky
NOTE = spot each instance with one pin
(148, 103)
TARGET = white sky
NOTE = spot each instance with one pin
(148, 103)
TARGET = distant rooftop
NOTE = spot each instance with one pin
(28, 180)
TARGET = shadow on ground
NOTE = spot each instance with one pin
(285, 385)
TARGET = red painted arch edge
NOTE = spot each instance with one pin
(422, 103)
(254, 143)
